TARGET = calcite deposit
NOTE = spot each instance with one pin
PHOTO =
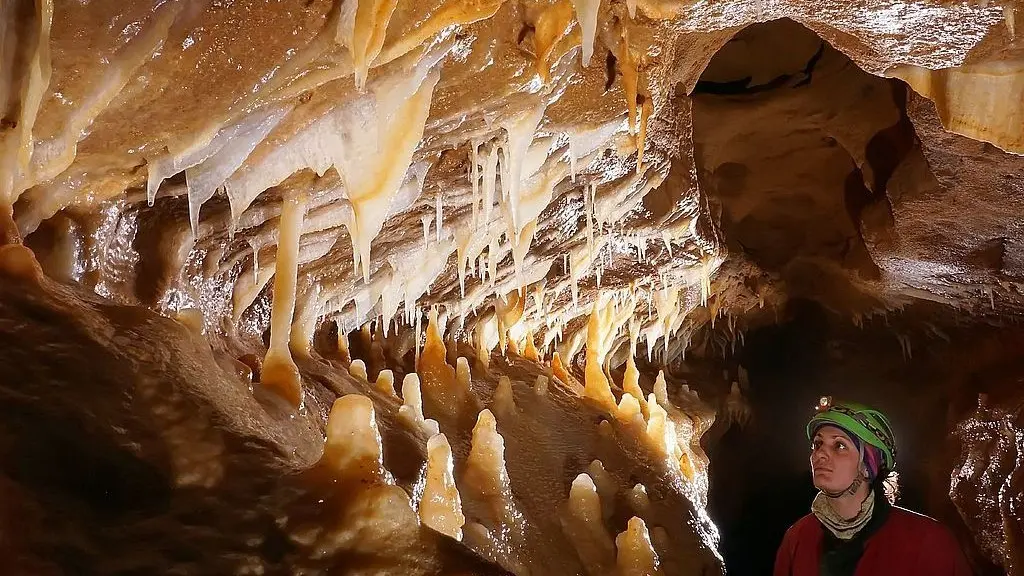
(405, 286)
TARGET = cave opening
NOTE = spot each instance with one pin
(795, 146)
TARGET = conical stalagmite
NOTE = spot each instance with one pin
(487, 477)
(353, 449)
(540, 386)
(629, 411)
(600, 330)
(530, 350)
(660, 389)
(631, 384)
(607, 487)
(504, 401)
(638, 499)
(583, 524)
(411, 411)
(357, 369)
(386, 382)
(445, 395)
(441, 505)
(636, 555)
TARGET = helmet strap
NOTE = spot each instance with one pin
(849, 490)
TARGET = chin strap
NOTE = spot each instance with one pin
(849, 490)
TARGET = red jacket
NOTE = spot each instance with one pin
(908, 544)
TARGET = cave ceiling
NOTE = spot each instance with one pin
(527, 175)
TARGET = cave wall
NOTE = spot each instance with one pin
(218, 192)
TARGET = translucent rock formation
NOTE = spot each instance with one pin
(245, 221)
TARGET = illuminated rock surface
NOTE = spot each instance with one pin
(406, 286)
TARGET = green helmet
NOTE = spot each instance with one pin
(868, 425)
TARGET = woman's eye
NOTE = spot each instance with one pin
(840, 446)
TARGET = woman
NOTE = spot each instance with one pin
(852, 528)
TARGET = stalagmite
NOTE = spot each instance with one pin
(636, 555)
(660, 430)
(660, 389)
(559, 371)
(628, 411)
(504, 401)
(343, 344)
(583, 524)
(386, 382)
(486, 474)
(280, 373)
(444, 394)
(483, 355)
(540, 387)
(607, 487)
(638, 499)
(462, 372)
(631, 384)
(357, 369)
(441, 505)
(586, 15)
(354, 449)
(411, 411)
(530, 350)
(596, 385)
(18, 261)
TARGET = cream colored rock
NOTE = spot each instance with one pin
(441, 506)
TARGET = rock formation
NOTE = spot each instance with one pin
(407, 287)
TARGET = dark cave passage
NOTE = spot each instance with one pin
(759, 479)
(793, 191)
(759, 476)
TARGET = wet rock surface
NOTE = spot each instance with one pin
(241, 218)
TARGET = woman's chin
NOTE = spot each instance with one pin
(822, 481)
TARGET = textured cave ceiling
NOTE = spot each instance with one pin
(557, 186)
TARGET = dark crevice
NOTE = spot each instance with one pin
(742, 86)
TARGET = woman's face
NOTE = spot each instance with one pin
(835, 462)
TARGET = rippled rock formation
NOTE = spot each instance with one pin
(363, 285)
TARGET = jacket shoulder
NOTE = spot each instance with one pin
(922, 527)
(913, 520)
(799, 547)
(805, 526)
